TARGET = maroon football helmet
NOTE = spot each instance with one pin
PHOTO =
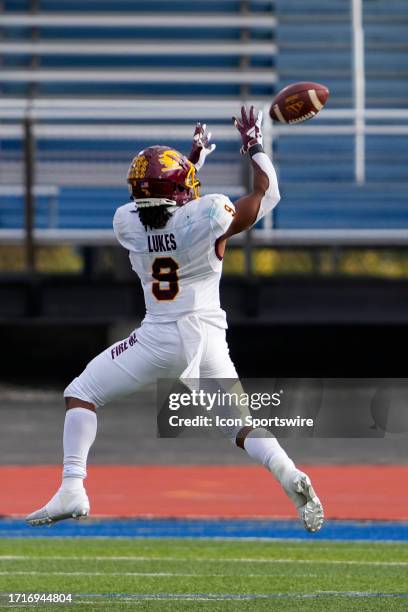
(162, 173)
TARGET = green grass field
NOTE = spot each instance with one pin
(207, 574)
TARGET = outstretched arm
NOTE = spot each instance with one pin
(265, 192)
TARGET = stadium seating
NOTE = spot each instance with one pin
(83, 64)
(143, 48)
(121, 51)
(317, 171)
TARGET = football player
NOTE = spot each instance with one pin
(176, 241)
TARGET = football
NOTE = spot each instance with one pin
(299, 102)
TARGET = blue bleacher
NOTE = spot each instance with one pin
(128, 6)
(314, 40)
(317, 172)
(87, 206)
(108, 33)
(78, 208)
(323, 206)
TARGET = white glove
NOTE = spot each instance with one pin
(201, 146)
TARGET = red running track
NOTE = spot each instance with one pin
(348, 492)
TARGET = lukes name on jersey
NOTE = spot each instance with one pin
(161, 243)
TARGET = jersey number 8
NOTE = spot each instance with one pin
(164, 270)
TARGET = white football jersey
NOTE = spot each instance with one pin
(178, 265)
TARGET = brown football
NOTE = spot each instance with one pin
(299, 102)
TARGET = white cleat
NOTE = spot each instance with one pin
(299, 488)
(64, 505)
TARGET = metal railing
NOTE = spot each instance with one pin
(359, 89)
(39, 113)
(145, 48)
(141, 20)
(101, 75)
(141, 115)
(274, 238)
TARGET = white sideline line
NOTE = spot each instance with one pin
(207, 560)
(240, 597)
(158, 574)
(101, 599)
(142, 574)
(139, 597)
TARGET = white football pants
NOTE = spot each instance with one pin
(155, 350)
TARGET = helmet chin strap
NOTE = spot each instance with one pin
(150, 202)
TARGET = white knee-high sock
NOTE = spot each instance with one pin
(79, 435)
(265, 449)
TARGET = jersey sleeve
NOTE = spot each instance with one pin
(222, 212)
(122, 226)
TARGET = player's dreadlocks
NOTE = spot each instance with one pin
(155, 217)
